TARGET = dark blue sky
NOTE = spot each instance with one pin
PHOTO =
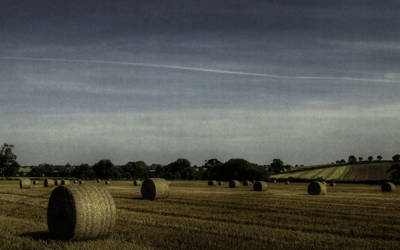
(305, 81)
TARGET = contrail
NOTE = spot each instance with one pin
(177, 67)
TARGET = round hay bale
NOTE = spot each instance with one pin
(48, 182)
(81, 182)
(65, 182)
(260, 186)
(137, 183)
(107, 182)
(220, 183)
(287, 182)
(234, 183)
(75, 181)
(35, 182)
(212, 183)
(316, 187)
(24, 183)
(245, 182)
(98, 180)
(388, 187)
(57, 182)
(80, 212)
(155, 188)
(274, 181)
(332, 184)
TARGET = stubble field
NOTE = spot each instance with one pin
(197, 216)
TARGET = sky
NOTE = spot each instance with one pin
(305, 81)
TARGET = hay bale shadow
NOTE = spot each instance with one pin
(43, 235)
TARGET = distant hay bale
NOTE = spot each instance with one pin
(75, 181)
(154, 188)
(234, 183)
(78, 212)
(287, 182)
(245, 182)
(81, 182)
(137, 183)
(98, 180)
(57, 182)
(332, 184)
(107, 182)
(212, 183)
(48, 182)
(316, 187)
(388, 186)
(35, 182)
(260, 186)
(65, 182)
(274, 181)
(220, 183)
(24, 183)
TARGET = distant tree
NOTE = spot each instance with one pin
(379, 157)
(239, 169)
(135, 170)
(210, 168)
(83, 171)
(342, 161)
(8, 161)
(396, 157)
(370, 158)
(179, 169)
(360, 158)
(105, 169)
(352, 159)
(277, 166)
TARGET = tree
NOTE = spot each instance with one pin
(135, 170)
(370, 158)
(105, 169)
(277, 166)
(179, 169)
(360, 158)
(210, 167)
(83, 171)
(352, 159)
(396, 157)
(379, 157)
(8, 161)
(239, 169)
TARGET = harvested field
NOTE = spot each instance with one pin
(194, 216)
(368, 172)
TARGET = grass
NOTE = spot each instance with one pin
(198, 216)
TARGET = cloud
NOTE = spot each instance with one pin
(206, 70)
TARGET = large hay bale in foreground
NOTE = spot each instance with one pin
(260, 186)
(79, 212)
(65, 182)
(234, 183)
(316, 187)
(245, 182)
(212, 183)
(24, 183)
(48, 182)
(388, 186)
(137, 183)
(154, 188)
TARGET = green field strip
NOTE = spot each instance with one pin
(319, 174)
(332, 172)
(345, 170)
